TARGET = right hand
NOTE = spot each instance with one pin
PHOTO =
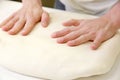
(96, 30)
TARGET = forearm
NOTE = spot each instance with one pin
(114, 15)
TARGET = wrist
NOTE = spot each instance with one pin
(32, 3)
(112, 20)
(113, 15)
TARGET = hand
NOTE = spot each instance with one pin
(25, 19)
(97, 30)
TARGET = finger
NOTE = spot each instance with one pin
(97, 42)
(45, 19)
(61, 33)
(71, 36)
(17, 27)
(28, 27)
(64, 32)
(10, 24)
(82, 39)
(72, 22)
(7, 20)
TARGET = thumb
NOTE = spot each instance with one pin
(45, 20)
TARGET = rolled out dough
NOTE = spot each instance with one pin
(39, 55)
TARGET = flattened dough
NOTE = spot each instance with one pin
(39, 55)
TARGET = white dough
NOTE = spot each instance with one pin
(39, 55)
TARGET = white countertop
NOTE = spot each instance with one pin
(7, 75)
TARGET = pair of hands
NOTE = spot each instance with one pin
(95, 30)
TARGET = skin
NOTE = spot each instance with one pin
(96, 30)
(25, 19)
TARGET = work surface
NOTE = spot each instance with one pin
(112, 75)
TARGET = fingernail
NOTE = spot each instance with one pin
(93, 47)
(44, 24)
(11, 32)
(60, 40)
(53, 35)
(4, 29)
(23, 33)
(70, 43)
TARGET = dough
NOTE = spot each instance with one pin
(40, 56)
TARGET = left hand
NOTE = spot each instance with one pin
(97, 30)
(25, 19)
